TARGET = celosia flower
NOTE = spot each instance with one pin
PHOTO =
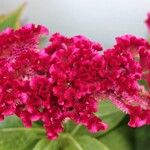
(67, 79)
(147, 21)
(51, 85)
(18, 58)
(138, 103)
(75, 81)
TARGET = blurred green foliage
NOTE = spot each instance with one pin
(12, 19)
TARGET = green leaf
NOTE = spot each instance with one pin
(142, 138)
(107, 112)
(12, 20)
(121, 138)
(45, 144)
(82, 143)
(74, 129)
(13, 136)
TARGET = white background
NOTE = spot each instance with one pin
(100, 20)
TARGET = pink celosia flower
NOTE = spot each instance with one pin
(147, 21)
(73, 73)
(67, 79)
(138, 103)
(52, 85)
(18, 59)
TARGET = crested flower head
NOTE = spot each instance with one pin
(67, 79)
(137, 100)
(73, 73)
(18, 60)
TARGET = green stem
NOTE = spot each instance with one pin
(74, 131)
(76, 144)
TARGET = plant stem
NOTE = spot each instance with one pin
(76, 144)
(74, 131)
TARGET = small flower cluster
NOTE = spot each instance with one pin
(67, 79)
(147, 21)
(136, 100)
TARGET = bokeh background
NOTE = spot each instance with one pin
(101, 20)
